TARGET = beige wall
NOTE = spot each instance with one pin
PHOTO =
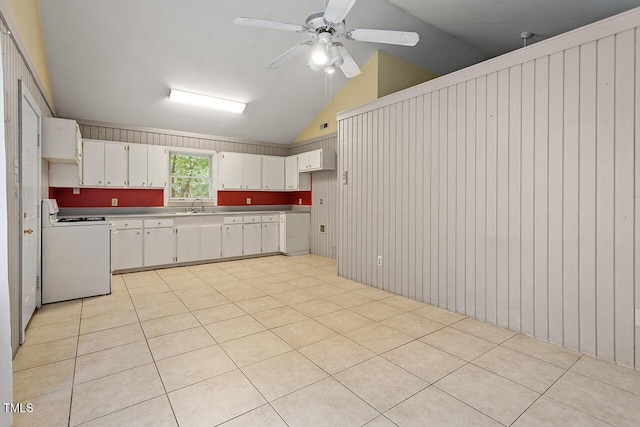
(25, 15)
(382, 75)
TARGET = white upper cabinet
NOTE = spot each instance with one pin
(157, 166)
(294, 181)
(116, 166)
(273, 173)
(238, 171)
(138, 165)
(61, 140)
(230, 171)
(93, 163)
(252, 173)
(317, 160)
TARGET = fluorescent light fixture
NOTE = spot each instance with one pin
(206, 101)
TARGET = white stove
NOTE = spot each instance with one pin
(76, 255)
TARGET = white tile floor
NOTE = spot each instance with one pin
(283, 341)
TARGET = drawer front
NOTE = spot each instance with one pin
(233, 220)
(270, 218)
(158, 223)
(252, 219)
(124, 224)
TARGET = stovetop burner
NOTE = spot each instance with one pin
(83, 219)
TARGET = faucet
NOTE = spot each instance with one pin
(193, 208)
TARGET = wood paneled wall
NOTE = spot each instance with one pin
(136, 135)
(509, 191)
(15, 69)
(325, 198)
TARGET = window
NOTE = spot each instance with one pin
(190, 175)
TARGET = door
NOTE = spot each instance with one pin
(157, 166)
(231, 240)
(272, 173)
(159, 246)
(210, 242)
(291, 173)
(126, 247)
(29, 123)
(115, 164)
(252, 176)
(93, 163)
(231, 175)
(137, 165)
(188, 243)
(252, 239)
(270, 237)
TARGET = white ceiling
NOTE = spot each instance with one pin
(114, 61)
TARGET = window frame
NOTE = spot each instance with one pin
(212, 200)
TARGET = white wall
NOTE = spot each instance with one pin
(6, 365)
(505, 191)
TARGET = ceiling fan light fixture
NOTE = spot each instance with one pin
(206, 101)
(319, 55)
(329, 69)
(335, 57)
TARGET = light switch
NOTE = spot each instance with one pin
(248, 200)
(344, 178)
(114, 202)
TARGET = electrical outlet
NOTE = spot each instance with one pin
(299, 201)
(379, 261)
(248, 200)
(322, 228)
(76, 190)
(114, 202)
(321, 201)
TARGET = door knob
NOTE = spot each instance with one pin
(28, 231)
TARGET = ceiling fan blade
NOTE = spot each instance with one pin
(402, 38)
(337, 10)
(349, 66)
(272, 25)
(290, 54)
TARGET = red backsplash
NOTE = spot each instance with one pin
(101, 197)
(138, 198)
(239, 198)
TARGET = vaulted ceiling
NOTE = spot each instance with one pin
(115, 61)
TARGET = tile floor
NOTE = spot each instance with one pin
(283, 341)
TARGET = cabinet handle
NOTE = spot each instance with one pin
(148, 232)
(138, 233)
(99, 182)
(150, 184)
(108, 182)
(143, 183)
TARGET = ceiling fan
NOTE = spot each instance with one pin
(325, 29)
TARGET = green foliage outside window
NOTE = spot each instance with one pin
(190, 176)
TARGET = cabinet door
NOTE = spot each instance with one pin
(126, 249)
(159, 246)
(252, 239)
(231, 166)
(187, 244)
(210, 242)
(157, 166)
(272, 173)
(315, 159)
(252, 172)
(270, 237)
(232, 240)
(291, 172)
(115, 164)
(93, 163)
(137, 165)
(303, 161)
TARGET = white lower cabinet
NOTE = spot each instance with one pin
(126, 249)
(231, 240)
(210, 242)
(188, 244)
(252, 239)
(159, 242)
(270, 237)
